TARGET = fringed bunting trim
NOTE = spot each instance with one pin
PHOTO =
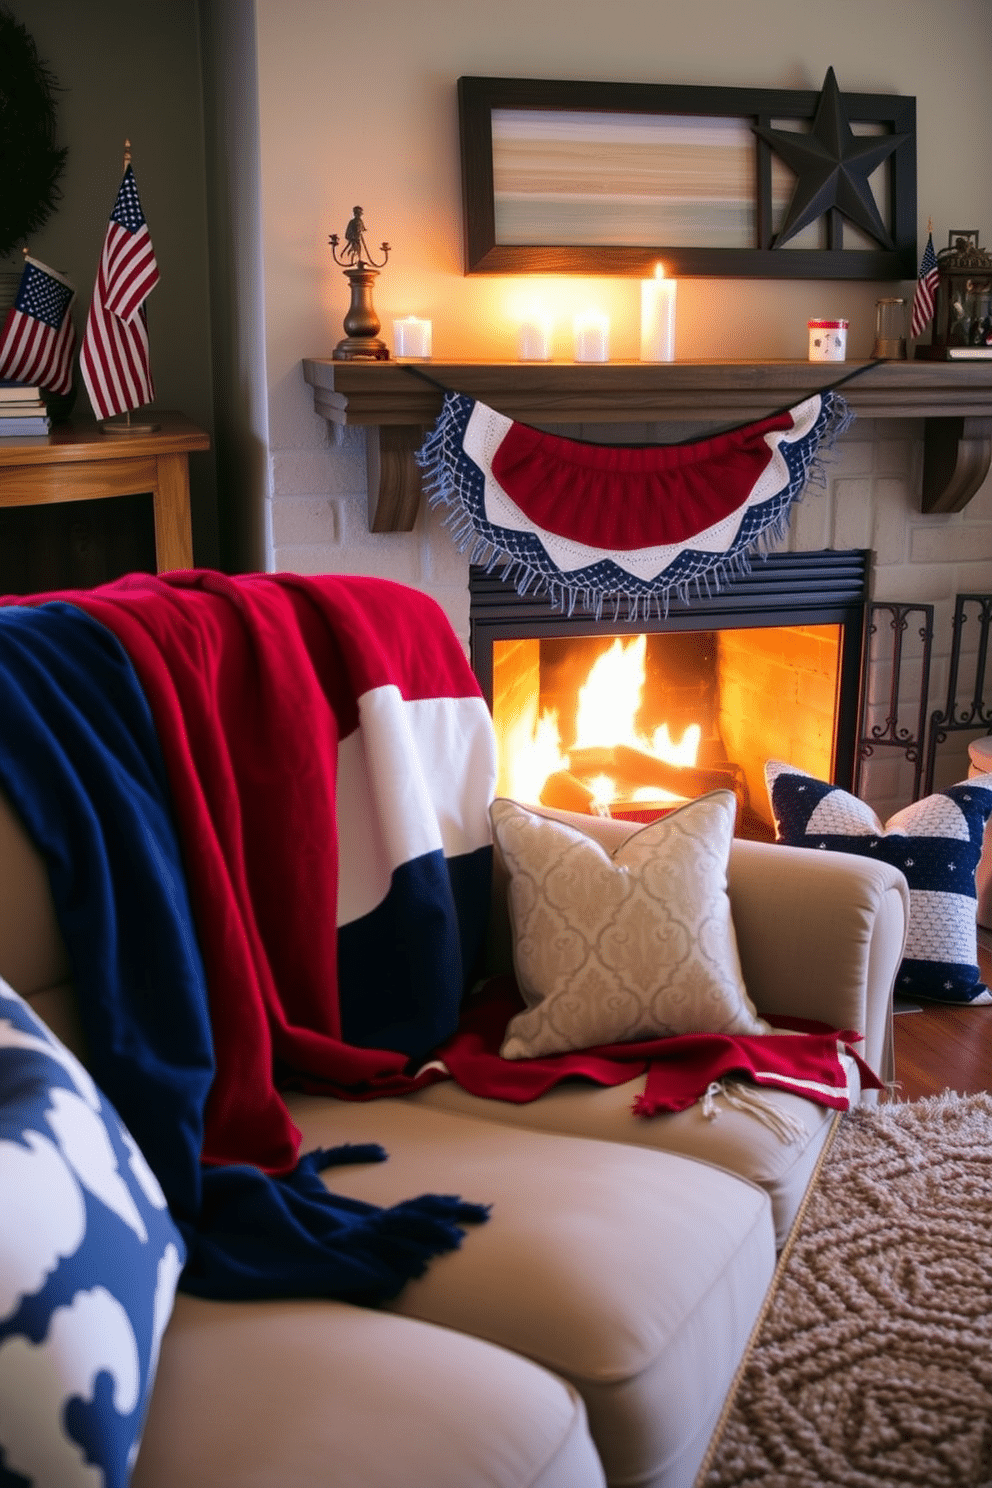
(622, 527)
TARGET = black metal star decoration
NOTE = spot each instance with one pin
(832, 166)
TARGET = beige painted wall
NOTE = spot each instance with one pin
(357, 104)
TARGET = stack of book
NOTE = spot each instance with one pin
(22, 410)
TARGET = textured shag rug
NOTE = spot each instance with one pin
(872, 1364)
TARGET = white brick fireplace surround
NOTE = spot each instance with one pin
(320, 523)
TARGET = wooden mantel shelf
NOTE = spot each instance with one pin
(953, 398)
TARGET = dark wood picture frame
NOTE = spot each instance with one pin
(478, 97)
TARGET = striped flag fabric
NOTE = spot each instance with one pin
(623, 528)
(926, 288)
(38, 340)
(114, 357)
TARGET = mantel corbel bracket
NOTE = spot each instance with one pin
(957, 455)
(394, 480)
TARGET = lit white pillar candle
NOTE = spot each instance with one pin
(658, 317)
(534, 340)
(592, 337)
(412, 337)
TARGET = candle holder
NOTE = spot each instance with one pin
(412, 338)
(890, 329)
(362, 343)
(591, 333)
(534, 341)
(827, 340)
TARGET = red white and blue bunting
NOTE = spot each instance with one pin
(625, 526)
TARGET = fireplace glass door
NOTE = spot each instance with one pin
(633, 719)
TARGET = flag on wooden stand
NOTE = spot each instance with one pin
(114, 357)
(926, 288)
(38, 340)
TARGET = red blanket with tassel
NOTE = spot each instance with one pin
(803, 1057)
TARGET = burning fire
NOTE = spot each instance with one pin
(606, 730)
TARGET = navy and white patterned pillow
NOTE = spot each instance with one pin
(937, 843)
(89, 1260)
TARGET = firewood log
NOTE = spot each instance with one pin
(565, 793)
(633, 768)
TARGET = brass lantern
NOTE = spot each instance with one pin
(962, 317)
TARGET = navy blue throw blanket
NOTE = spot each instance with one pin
(81, 763)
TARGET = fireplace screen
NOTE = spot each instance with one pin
(630, 722)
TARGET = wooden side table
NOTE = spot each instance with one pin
(78, 462)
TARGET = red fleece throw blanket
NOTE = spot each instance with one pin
(258, 754)
(804, 1058)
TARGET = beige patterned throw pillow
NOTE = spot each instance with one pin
(635, 945)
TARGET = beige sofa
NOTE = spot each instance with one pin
(588, 1332)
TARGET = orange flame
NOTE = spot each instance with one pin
(608, 703)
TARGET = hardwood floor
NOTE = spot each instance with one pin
(946, 1048)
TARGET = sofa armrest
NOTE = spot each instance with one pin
(821, 935)
(32, 952)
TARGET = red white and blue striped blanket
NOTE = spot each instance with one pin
(331, 762)
(263, 804)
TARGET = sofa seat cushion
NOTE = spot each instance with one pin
(325, 1395)
(737, 1140)
(635, 1275)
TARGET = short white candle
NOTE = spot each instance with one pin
(658, 317)
(534, 340)
(412, 337)
(592, 337)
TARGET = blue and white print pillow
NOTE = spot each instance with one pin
(89, 1260)
(937, 843)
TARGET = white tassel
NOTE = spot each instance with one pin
(709, 1109)
(787, 1128)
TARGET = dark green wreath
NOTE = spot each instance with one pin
(31, 164)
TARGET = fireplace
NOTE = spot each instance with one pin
(626, 717)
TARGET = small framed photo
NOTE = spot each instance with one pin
(962, 238)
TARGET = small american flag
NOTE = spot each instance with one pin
(38, 339)
(114, 356)
(926, 288)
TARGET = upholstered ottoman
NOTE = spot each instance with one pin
(634, 1275)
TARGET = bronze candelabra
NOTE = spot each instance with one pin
(361, 323)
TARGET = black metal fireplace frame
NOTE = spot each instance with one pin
(820, 588)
